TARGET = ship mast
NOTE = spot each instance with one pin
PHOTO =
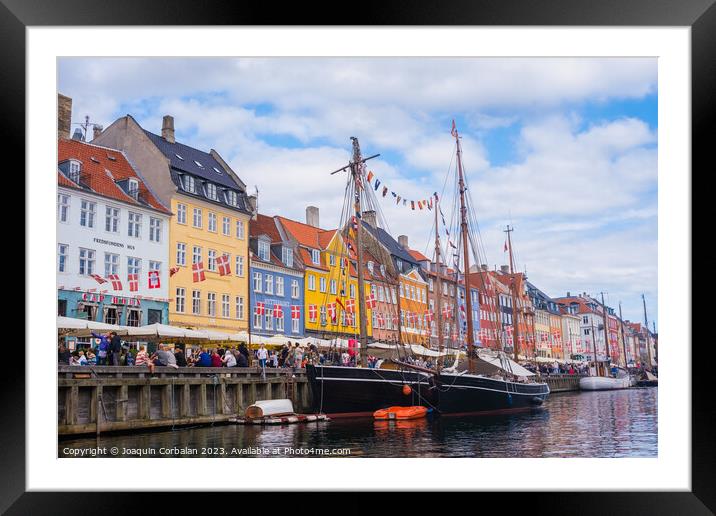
(606, 331)
(646, 329)
(466, 254)
(515, 309)
(621, 325)
(438, 286)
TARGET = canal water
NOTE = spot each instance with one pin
(573, 424)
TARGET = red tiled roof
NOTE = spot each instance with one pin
(96, 161)
(418, 255)
(305, 234)
(62, 180)
(264, 225)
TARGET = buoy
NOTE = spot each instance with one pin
(407, 390)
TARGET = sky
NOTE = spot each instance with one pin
(562, 149)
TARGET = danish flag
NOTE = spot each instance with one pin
(154, 279)
(381, 320)
(350, 305)
(223, 263)
(133, 280)
(544, 337)
(508, 330)
(277, 311)
(446, 312)
(116, 282)
(173, 270)
(312, 312)
(99, 279)
(331, 307)
(197, 270)
(349, 319)
(295, 312)
(370, 301)
(260, 308)
(428, 316)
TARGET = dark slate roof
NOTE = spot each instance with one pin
(548, 304)
(188, 165)
(392, 245)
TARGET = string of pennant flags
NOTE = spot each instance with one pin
(422, 204)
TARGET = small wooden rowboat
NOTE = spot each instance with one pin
(414, 412)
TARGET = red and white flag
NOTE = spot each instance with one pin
(260, 308)
(133, 281)
(331, 309)
(349, 319)
(370, 301)
(453, 131)
(154, 281)
(277, 311)
(446, 312)
(295, 312)
(116, 282)
(99, 279)
(197, 270)
(312, 312)
(222, 262)
(173, 270)
(350, 305)
(428, 316)
(381, 320)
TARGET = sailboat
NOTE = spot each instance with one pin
(605, 382)
(499, 386)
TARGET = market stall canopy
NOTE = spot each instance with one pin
(72, 327)
(215, 335)
(159, 331)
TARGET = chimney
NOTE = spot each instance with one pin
(312, 216)
(568, 295)
(64, 116)
(483, 266)
(252, 200)
(96, 130)
(168, 128)
(403, 241)
(505, 269)
(369, 218)
(78, 135)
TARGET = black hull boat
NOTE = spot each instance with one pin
(358, 392)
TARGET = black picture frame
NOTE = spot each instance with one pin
(699, 15)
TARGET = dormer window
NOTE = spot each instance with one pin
(287, 256)
(232, 198)
(370, 266)
(75, 169)
(211, 191)
(264, 250)
(189, 184)
(133, 188)
(316, 256)
(382, 269)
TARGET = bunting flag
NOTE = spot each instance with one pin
(222, 262)
(385, 191)
(370, 175)
(133, 280)
(116, 282)
(198, 271)
(153, 279)
(412, 204)
(295, 311)
(173, 271)
(312, 312)
(99, 279)
(277, 311)
(377, 184)
(505, 249)
(398, 201)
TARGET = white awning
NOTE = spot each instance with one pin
(72, 327)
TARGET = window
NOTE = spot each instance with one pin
(287, 256)
(62, 250)
(294, 289)
(279, 324)
(423, 295)
(240, 229)
(295, 325)
(87, 213)
(155, 266)
(323, 316)
(370, 267)
(263, 250)
(86, 261)
(279, 286)
(212, 222)
(211, 191)
(179, 300)
(111, 264)
(181, 213)
(211, 265)
(316, 256)
(240, 266)
(74, 173)
(332, 259)
(134, 224)
(257, 282)
(196, 254)
(111, 220)
(155, 229)
(225, 306)
(63, 207)
(269, 284)
(269, 320)
(395, 297)
(134, 265)
(189, 185)
(352, 290)
(323, 284)
(211, 304)
(334, 287)
(258, 322)
(232, 198)
(311, 282)
(239, 307)
(196, 302)
(181, 253)
(197, 218)
(226, 226)
(430, 284)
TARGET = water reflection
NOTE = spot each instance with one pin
(580, 424)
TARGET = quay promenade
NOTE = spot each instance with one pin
(97, 399)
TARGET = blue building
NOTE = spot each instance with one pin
(276, 281)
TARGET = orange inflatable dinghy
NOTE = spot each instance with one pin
(415, 412)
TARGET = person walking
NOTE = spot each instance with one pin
(103, 353)
(115, 348)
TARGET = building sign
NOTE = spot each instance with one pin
(115, 244)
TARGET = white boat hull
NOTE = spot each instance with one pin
(602, 383)
(267, 408)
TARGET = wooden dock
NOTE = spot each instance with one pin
(97, 399)
(562, 382)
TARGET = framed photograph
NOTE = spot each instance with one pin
(437, 240)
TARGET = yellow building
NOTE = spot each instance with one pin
(413, 306)
(329, 281)
(211, 211)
